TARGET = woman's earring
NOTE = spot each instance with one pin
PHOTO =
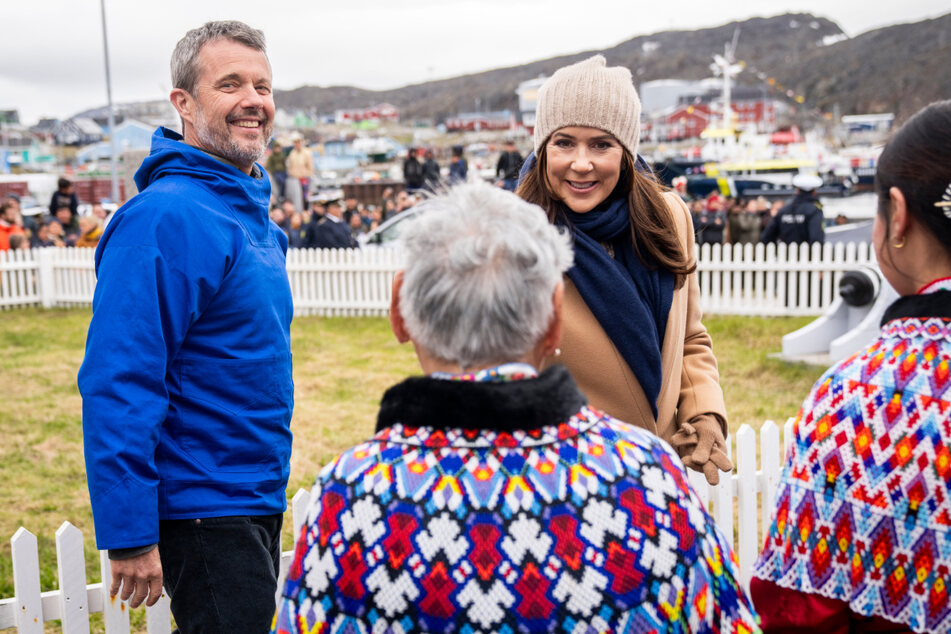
(557, 352)
(899, 245)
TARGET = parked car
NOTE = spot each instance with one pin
(386, 234)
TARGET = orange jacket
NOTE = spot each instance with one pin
(7, 230)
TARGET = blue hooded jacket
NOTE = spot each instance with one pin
(186, 383)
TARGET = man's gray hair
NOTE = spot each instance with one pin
(481, 268)
(185, 56)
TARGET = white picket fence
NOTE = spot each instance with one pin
(761, 279)
(741, 505)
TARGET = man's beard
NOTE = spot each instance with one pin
(219, 141)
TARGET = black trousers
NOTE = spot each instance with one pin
(221, 572)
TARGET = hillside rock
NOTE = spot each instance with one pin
(893, 69)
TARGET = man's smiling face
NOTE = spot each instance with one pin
(233, 105)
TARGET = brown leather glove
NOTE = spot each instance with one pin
(701, 445)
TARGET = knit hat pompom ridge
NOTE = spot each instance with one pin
(592, 95)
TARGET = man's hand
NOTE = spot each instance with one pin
(140, 577)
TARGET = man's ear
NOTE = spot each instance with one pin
(184, 103)
(396, 317)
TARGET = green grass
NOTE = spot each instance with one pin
(341, 368)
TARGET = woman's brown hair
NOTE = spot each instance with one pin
(652, 224)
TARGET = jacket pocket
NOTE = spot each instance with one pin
(235, 413)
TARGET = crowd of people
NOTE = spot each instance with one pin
(332, 223)
(720, 219)
(534, 477)
(62, 226)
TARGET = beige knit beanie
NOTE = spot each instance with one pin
(592, 95)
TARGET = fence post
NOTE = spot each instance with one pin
(71, 565)
(770, 458)
(746, 501)
(723, 498)
(45, 278)
(115, 611)
(158, 618)
(26, 582)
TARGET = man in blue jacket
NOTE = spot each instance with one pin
(186, 384)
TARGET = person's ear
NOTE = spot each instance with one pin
(396, 317)
(900, 219)
(184, 103)
(552, 336)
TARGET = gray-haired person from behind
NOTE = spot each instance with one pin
(492, 498)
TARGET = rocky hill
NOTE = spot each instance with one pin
(894, 69)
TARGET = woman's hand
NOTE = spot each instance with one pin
(702, 447)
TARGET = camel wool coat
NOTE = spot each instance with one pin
(690, 383)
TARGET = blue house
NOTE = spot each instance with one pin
(130, 135)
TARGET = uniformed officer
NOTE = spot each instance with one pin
(801, 219)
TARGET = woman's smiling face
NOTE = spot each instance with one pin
(583, 166)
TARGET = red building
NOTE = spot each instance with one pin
(475, 121)
(381, 112)
(688, 121)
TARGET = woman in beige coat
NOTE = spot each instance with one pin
(633, 338)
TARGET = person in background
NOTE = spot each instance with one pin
(277, 167)
(492, 498)
(300, 169)
(801, 220)
(710, 224)
(288, 209)
(431, 174)
(458, 166)
(29, 221)
(47, 234)
(100, 212)
(296, 231)
(744, 222)
(633, 338)
(19, 242)
(11, 224)
(860, 528)
(351, 207)
(70, 224)
(65, 196)
(187, 380)
(279, 216)
(330, 231)
(90, 230)
(388, 203)
(404, 200)
(357, 226)
(508, 166)
(413, 176)
(57, 233)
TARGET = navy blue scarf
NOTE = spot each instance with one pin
(630, 301)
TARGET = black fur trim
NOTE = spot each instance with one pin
(937, 304)
(551, 398)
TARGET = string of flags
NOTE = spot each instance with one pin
(775, 85)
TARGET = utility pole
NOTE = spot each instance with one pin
(112, 119)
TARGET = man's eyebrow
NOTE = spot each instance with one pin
(228, 77)
(237, 77)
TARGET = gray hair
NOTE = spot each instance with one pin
(481, 267)
(185, 56)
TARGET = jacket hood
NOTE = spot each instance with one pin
(171, 155)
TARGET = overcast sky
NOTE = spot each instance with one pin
(52, 57)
